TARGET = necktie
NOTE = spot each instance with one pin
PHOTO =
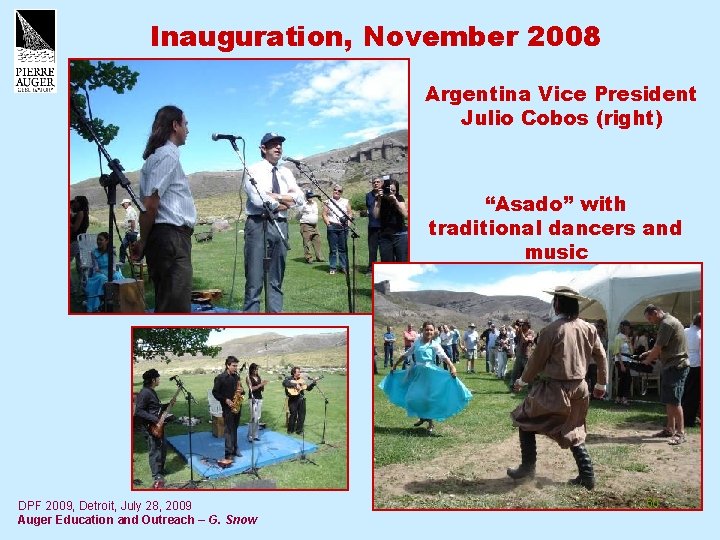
(276, 184)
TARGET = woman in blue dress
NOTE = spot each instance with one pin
(425, 390)
(96, 282)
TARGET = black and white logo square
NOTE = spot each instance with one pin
(35, 58)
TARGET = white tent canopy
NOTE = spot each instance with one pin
(621, 291)
(616, 292)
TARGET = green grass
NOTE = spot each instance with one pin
(308, 288)
(485, 422)
(331, 458)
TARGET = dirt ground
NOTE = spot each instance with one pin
(633, 470)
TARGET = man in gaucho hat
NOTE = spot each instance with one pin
(558, 402)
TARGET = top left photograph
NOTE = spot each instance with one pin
(234, 185)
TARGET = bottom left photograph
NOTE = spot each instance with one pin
(237, 408)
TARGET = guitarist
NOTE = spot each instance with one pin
(295, 387)
(226, 384)
(148, 411)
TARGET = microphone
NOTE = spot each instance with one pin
(296, 162)
(173, 377)
(220, 136)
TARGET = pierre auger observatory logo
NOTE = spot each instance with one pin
(35, 59)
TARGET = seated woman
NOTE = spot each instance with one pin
(94, 289)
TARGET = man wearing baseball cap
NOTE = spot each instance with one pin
(270, 192)
(558, 402)
(131, 228)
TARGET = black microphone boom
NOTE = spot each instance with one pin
(294, 161)
(173, 377)
(219, 136)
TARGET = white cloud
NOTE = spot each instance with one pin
(373, 89)
(368, 133)
(401, 275)
(526, 284)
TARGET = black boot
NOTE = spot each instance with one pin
(528, 452)
(586, 478)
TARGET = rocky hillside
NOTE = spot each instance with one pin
(352, 166)
(398, 309)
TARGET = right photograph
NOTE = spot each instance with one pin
(537, 386)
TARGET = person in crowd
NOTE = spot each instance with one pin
(640, 343)
(295, 387)
(455, 344)
(148, 410)
(336, 213)
(557, 406)
(620, 351)
(409, 337)
(490, 350)
(226, 388)
(271, 191)
(502, 351)
(166, 227)
(131, 226)
(524, 340)
(392, 212)
(308, 215)
(388, 346)
(692, 390)
(373, 233)
(255, 385)
(426, 391)
(671, 350)
(446, 341)
(79, 223)
(470, 345)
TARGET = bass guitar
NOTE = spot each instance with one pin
(158, 428)
(301, 385)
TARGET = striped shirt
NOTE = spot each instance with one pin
(261, 172)
(163, 174)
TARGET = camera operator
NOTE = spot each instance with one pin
(390, 209)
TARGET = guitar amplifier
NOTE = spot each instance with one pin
(218, 426)
(125, 296)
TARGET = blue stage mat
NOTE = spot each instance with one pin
(272, 448)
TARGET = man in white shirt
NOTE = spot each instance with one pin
(167, 225)
(691, 393)
(470, 343)
(272, 190)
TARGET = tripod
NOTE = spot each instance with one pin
(302, 458)
(192, 484)
(345, 220)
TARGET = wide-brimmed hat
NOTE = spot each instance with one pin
(564, 290)
(125, 201)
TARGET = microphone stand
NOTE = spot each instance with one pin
(252, 469)
(302, 458)
(268, 216)
(109, 182)
(322, 440)
(345, 220)
(192, 484)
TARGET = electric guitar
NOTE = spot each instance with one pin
(158, 428)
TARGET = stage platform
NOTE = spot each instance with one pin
(273, 447)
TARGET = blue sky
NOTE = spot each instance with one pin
(228, 334)
(317, 105)
(486, 279)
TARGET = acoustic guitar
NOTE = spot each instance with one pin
(301, 385)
